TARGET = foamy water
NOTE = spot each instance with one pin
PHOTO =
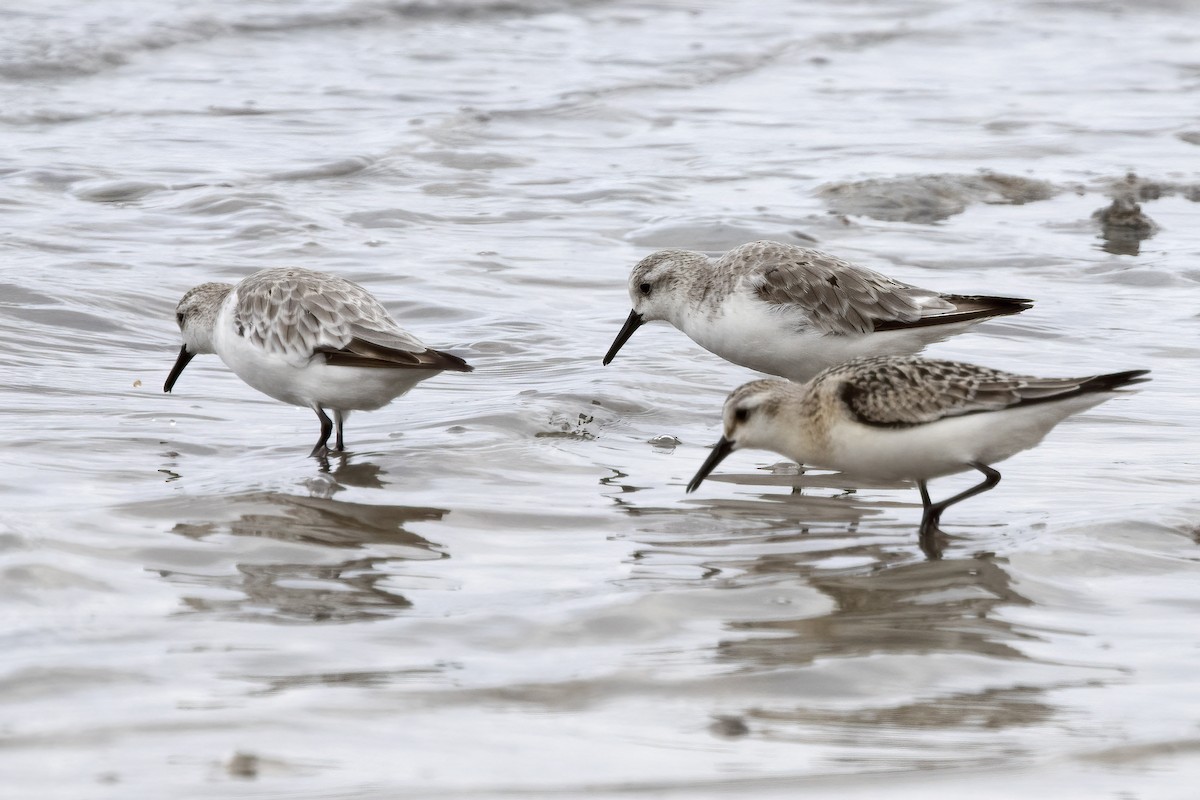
(504, 589)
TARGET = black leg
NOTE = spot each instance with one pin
(340, 420)
(930, 538)
(933, 511)
(320, 449)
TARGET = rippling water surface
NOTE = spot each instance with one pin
(503, 589)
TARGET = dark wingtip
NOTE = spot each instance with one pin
(361, 352)
(969, 307)
(1016, 304)
(451, 362)
(1115, 380)
(993, 306)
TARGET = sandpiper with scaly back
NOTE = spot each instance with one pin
(906, 418)
(793, 311)
(309, 339)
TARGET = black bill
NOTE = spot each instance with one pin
(180, 363)
(634, 322)
(722, 448)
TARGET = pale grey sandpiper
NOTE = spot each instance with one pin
(793, 311)
(309, 339)
(906, 418)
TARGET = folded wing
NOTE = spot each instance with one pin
(901, 392)
(300, 314)
(839, 297)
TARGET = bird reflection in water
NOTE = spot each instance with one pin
(334, 476)
(318, 582)
(849, 594)
(882, 599)
(916, 607)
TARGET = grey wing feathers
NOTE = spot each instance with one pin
(298, 313)
(899, 392)
(837, 296)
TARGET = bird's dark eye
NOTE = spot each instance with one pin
(644, 288)
(741, 414)
(179, 319)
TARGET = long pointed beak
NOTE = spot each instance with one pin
(180, 363)
(634, 322)
(722, 448)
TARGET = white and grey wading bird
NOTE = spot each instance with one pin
(309, 339)
(906, 418)
(793, 311)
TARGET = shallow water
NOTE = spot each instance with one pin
(503, 590)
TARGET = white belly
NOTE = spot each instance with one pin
(948, 445)
(753, 334)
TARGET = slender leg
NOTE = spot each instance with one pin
(320, 449)
(933, 511)
(339, 419)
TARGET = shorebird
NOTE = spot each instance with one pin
(906, 418)
(793, 311)
(309, 339)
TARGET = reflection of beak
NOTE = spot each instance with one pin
(634, 322)
(722, 448)
(180, 363)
